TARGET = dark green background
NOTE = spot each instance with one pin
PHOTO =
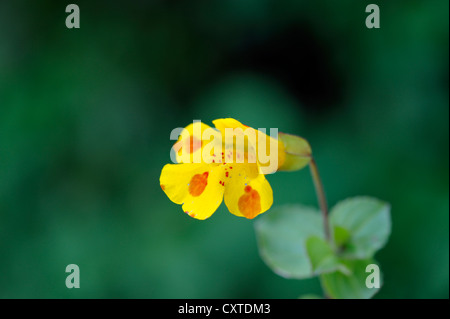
(85, 118)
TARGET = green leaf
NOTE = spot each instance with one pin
(322, 256)
(362, 226)
(341, 236)
(341, 286)
(282, 236)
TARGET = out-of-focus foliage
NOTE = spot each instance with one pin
(85, 118)
(292, 242)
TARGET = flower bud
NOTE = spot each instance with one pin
(294, 152)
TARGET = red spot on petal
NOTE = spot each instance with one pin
(226, 174)
(198, 184)
(248, 189)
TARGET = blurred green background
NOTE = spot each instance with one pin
(85, 118)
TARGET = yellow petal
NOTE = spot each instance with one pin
(239, 141)
(253, 145)
(196, 186)
(244, 196)
(222, 124)
(191, 144)
(270, 153)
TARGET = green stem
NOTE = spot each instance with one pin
(321, 198)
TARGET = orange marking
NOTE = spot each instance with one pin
(249, 204)
(195, 144)
(163, 187)
(189, 146)
(198, 184)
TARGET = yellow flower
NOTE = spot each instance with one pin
(229, 162)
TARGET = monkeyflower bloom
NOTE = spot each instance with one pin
(229, 162)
